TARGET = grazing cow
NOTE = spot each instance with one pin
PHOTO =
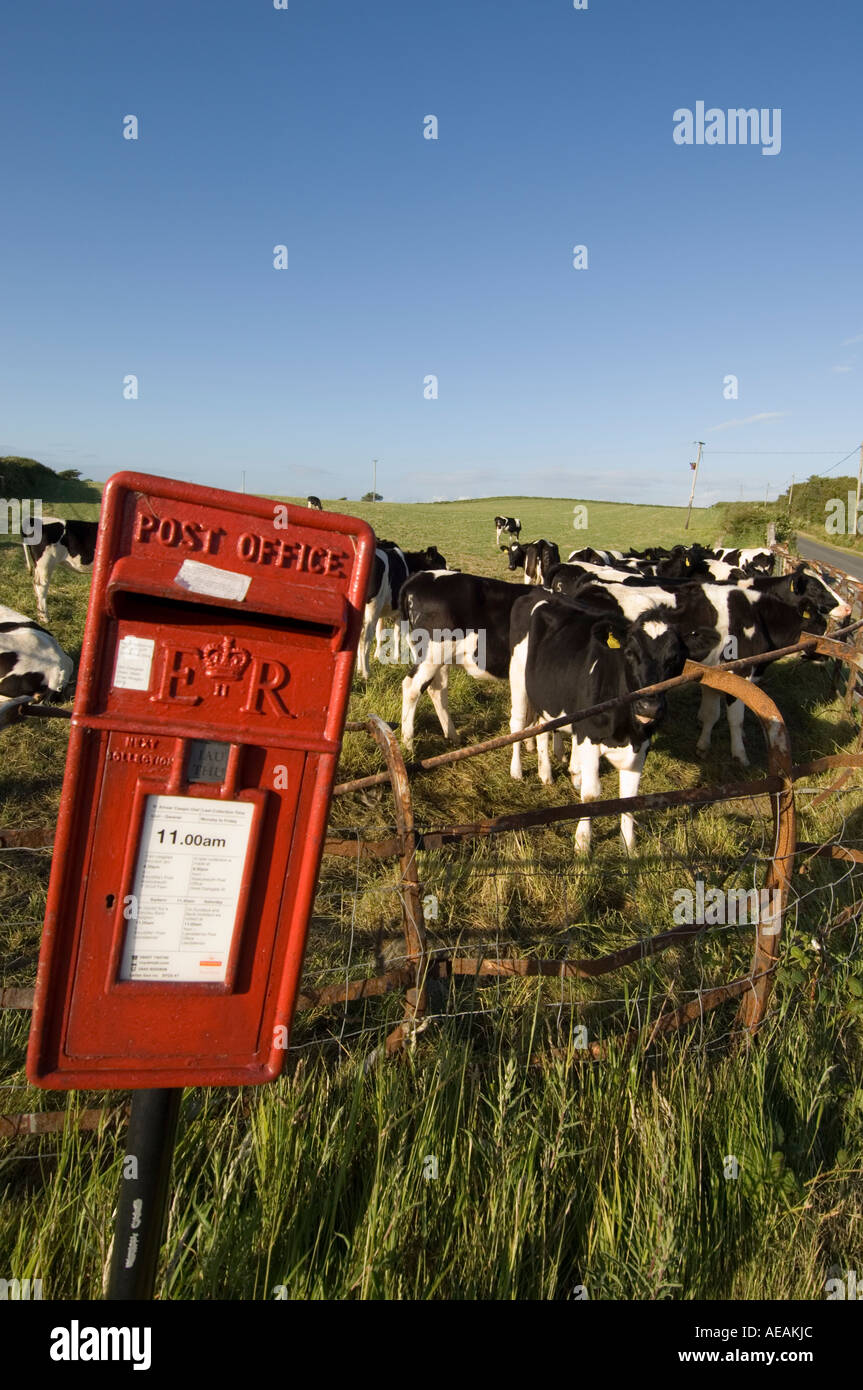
(70, 543)
(314, 502)
(455, 619)
(720, 622)
(32, 662)
(390, 570)
(510, 524)
(536, 559)
(563, 660)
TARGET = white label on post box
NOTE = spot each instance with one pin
(134, 663)
(207, 579)
(186, 889)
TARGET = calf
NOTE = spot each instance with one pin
(564, 659)
(456, 619)
(32, 662)
(70, 543)
(390, 570)
(314, 502)
(510, 524)
(536, 559)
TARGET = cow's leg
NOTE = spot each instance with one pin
(629, 762)
(439, 694)
(44, 568)
(707, 717)
(432, 675)
(588, 758)
(412, 687)
(543, 742)
(575, 766)
(735, 711)
(379, 636)
(520, 711)
(557, 745)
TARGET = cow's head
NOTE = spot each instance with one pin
(433, 558)
(802, 584)
(651, 651)
(516, 555)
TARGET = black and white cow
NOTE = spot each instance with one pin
(535, 559)
(391, 568)
(32, 662)
(564, 659)
(29, 542)
(509, 524)
(454, 620)
(753, 561)
(70, 543)
(719, 622)
(314, 502)
(600, 557)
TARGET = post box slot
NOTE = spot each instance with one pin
(278, 595)
(182, 613)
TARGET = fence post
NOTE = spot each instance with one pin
(412, 912)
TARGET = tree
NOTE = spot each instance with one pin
(72, 473)
(371, 497)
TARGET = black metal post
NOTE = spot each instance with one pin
(143, 1199)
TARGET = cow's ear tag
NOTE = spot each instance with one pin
(611, 640)
(687, 562)
(807, 613)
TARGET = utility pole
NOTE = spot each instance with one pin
(694, 467)
(244, 480)
(766, 493)
(859, 480)
(791, 489)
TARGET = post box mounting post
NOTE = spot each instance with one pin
(144, 1186)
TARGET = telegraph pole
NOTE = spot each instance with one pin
(791, 490)
(694, 467)
(859, 480)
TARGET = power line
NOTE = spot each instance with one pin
(812, 453)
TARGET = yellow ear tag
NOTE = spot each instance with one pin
(611, 640)
(807, 613)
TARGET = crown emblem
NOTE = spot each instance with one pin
(224, 662)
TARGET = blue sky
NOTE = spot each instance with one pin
(409, 257)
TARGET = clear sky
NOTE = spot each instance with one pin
(409, 257)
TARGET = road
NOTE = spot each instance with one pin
(842, 559)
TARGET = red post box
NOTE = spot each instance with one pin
(211, 700)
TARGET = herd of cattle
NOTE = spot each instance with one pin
(597, 626)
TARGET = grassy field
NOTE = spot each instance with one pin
(551, 1174)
